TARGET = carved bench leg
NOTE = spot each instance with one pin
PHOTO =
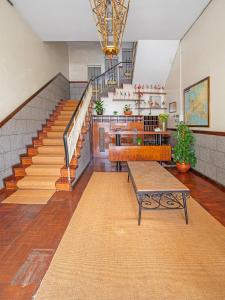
(139, 209)
(184, 197)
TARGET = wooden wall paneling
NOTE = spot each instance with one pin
(135, 153)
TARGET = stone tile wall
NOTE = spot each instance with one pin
(77, 89)
(210, 152)
(19, 131)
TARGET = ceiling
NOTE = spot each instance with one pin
(72, 20)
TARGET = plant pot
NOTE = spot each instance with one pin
(183, 167)
(99, 113)
(127, 113)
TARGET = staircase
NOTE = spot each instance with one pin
(43, 167)
(52, 159)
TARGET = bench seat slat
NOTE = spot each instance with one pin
(150, 176)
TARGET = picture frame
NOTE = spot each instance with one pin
(172, 107)
(197, 104)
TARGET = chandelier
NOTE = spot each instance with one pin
(110, 17)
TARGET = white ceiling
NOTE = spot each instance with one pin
(72, 20)
(153, 61)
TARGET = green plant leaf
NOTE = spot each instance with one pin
(184, 149)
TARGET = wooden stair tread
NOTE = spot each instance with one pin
(52, 141)
(70, 101)
(47, 159)
(44, 170)
(55, 134)
(58, 128)
(66, 112)
(60, 123)
(69, 107)
(54, 149)
(39, 178)
(63, 117)
(34, 182)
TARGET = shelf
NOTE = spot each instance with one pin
(151, 108)
(124, 100)
(151, 93)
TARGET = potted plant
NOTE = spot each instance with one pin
(115, 113)
(163, 119)
(127, 110)
(99, 108)
(139, 141)
(184, 153)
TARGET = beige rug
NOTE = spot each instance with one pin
(30, 197)
(104, 255)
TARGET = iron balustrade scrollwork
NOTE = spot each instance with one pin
(169, 200)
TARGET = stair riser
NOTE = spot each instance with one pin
(26, 160)
(32, 151)
(42, 135)
(19, 172)
(37, 142)
(10, 185)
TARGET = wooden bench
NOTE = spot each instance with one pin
(156, 188)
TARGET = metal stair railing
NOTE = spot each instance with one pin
(114, 77)
(73, 129)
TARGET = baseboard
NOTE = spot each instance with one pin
(214, 182)
(2, 191)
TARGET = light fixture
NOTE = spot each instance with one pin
(110, 17)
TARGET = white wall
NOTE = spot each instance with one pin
(153, 61)
(26, 63)
(112, 104)
(82, 54)
(203, 54)
(173, 89)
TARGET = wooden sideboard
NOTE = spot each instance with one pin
(136, 153)
(103, 125)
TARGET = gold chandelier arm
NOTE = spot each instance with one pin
(110, 18)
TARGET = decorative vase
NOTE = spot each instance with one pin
(164, 126)
(183, 167)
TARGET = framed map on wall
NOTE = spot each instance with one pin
(196, 104)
